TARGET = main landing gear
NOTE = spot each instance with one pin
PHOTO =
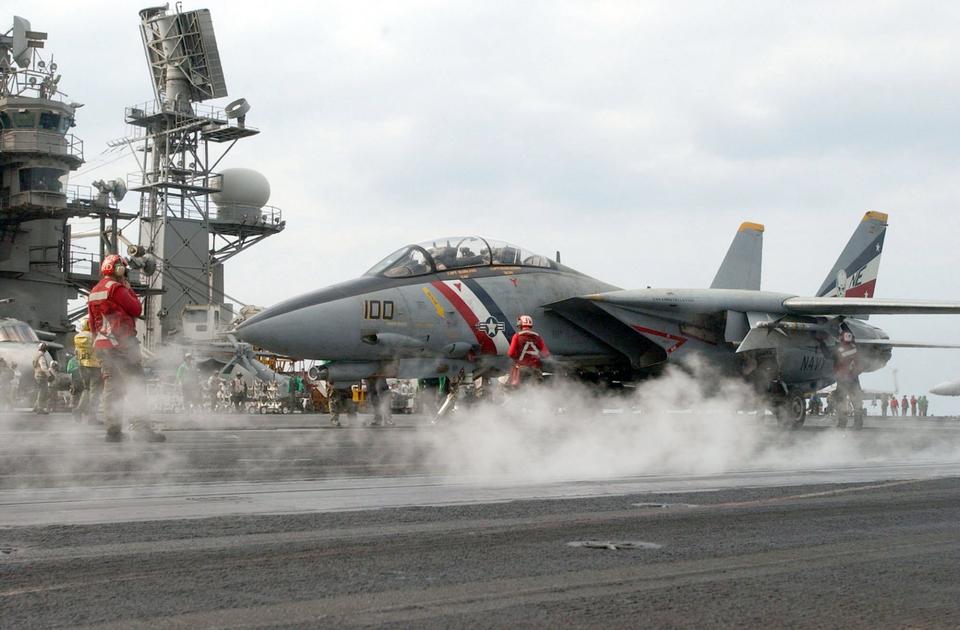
(790, 411)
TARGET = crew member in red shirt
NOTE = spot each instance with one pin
(113, 309)
(528, 350)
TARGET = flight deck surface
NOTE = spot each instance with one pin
(242, 521)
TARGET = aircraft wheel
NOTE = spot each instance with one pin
(792, 412)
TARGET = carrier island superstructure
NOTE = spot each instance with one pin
(39, 273)
(192, 214)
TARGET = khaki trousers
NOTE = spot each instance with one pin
(121, 369)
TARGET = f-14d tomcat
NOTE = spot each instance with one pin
(450, 304)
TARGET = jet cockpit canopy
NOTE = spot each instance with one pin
(455, 252)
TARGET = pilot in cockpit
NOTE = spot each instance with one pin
(444, 257)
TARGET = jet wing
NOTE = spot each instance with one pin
(716, 300)
(905, 344)
(859, 306)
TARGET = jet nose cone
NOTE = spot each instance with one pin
(257, 333)
(269, 329)
(309, 325)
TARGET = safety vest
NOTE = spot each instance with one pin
(41, 366)
(527, 349)
(113, 309)
(83, 344)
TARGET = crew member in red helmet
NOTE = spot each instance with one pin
(113, 309)
(847, 368)
(528, 350)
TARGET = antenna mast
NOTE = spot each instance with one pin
(181, 141)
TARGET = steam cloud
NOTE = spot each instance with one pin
(685, 422)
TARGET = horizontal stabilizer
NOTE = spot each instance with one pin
(857, 306)
(740, 268)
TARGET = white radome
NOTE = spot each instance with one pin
(242, 188)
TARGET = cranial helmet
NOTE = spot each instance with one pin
(111, 264)
(846, 337)
(85, 324)
(525, 321)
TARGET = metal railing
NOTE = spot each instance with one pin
(83, 263)
(48, 199)
(175, 181)
(247, 215)
(198, 110)
(88, 196)
(33, 141)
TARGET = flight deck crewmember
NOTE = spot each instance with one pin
(89, 402)
(6, 385)
(113, 308)
(847, 370)
(42, 374)
(188, 378)
(528, 350)
(333, 404)
(238, 391)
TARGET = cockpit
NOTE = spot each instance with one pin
(457, 252)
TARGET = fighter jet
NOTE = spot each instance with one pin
(448, 304)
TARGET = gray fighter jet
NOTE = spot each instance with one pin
(448, 304)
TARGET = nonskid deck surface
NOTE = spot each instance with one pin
(282, 521)
(54, 470)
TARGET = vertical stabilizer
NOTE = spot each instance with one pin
(855, 272)
(740, 268)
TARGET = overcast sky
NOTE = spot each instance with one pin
(634, 137)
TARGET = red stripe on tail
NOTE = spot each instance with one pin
(865, 290)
